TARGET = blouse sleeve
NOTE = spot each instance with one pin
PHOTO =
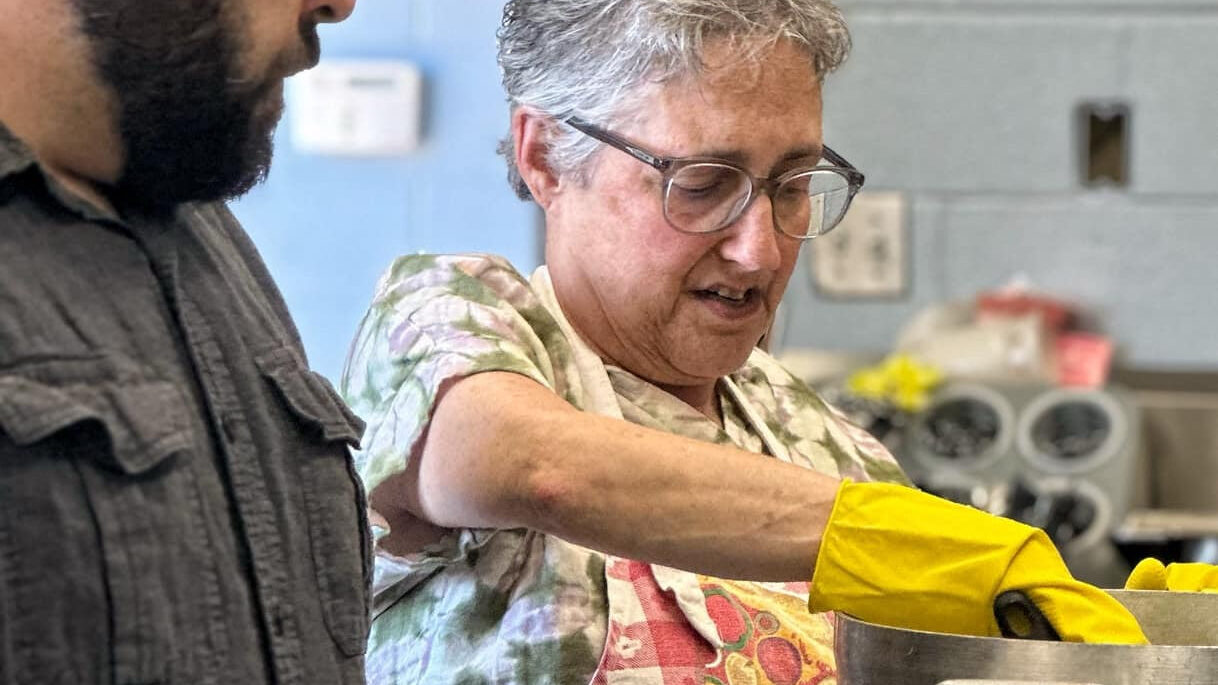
(434, 320)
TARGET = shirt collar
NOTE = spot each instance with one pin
(15, 157)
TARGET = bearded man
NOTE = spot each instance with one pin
(177, 502)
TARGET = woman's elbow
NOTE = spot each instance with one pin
(550, 498)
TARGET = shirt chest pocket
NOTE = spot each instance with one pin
(102, 531)
(333, 498)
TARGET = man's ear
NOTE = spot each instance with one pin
(531, 134)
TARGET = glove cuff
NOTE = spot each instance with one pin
(829, 530)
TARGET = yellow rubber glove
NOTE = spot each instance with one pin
(899, 557)
(1151, 574)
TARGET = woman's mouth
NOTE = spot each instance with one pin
(730, 303)
(730, 295)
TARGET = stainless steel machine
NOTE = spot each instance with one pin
(1182, 628)
(1062, 459)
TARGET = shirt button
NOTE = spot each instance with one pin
(277, 621)
(228, 424)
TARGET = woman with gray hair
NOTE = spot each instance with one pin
(593, 474)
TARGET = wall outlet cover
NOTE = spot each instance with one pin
(866, 256)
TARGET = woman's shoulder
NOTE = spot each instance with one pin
(459, 295)
(472, 275)
(762, 369)
(809, 423)
(440, 316)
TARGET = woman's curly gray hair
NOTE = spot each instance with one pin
(589, 58)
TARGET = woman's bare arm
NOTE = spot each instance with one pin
(504, 452)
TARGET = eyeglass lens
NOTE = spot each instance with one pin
(705, 197)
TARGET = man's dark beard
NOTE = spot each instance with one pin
(190, 128)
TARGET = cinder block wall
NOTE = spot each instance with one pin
(969, 107)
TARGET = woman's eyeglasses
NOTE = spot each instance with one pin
(702, 195)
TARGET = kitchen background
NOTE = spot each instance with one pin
(1068, 145)
(969, 108)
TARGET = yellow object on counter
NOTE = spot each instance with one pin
(899, 379)
(899, 557)
(1151, 574)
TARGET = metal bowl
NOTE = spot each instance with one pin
(1182, 628)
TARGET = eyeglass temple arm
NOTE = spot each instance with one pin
(622, 144)
(834, 158)
(838, 160)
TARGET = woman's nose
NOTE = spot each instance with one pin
(328, 11)
(752, 241)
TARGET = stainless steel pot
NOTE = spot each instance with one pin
(1182, 627)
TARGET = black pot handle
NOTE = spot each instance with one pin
(1019, 618)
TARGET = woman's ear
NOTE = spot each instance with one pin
(531, 134)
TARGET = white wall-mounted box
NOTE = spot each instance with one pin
(361, 108)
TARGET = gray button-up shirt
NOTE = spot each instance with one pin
(177, 499)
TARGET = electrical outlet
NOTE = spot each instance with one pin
(865, 255)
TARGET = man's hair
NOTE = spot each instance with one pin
(592, 58)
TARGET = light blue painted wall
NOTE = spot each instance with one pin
(329, 226)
